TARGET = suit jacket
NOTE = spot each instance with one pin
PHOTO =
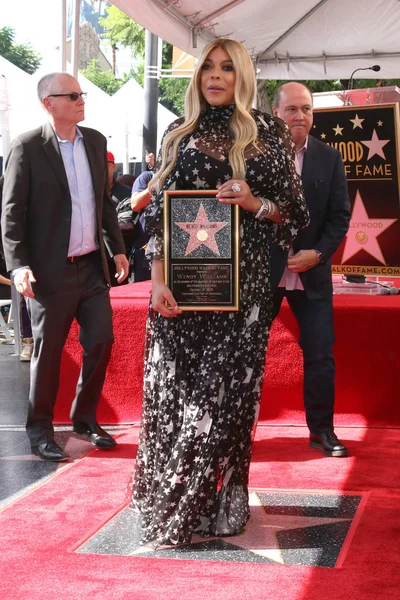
(325, 190)
(37, 208)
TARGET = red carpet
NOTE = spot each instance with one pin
(40, 531)
(367, 357)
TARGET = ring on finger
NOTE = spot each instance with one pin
(236, 187)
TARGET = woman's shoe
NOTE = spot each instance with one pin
(27, 349)
(154, 546)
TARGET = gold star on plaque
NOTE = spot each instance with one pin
(357, 122)
(338, 130)
(202, 231)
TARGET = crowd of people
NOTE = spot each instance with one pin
(65, 240)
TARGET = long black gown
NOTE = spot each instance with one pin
(204, 370)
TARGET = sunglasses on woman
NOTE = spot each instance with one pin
(72, 96)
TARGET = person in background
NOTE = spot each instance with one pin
(56, 213)
(5, 294)
(126, 179)
(150, 160)
(204, 369)
(304, 274)
(140, 190)
(140, 198)
(118, 192)
(5, 281)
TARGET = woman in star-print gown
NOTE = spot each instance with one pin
(204, 370)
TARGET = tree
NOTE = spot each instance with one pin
(322, 85)
(172, 93)
(105, 80)
(268, 87)
(122, 29)
(119, 28)
(21, 55)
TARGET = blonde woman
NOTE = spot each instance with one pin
(204, 370)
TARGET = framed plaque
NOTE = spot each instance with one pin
(201, 250)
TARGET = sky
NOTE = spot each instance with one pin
(39, 22)
(34, 21)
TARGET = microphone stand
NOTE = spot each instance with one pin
(357, 278)
(351, 80)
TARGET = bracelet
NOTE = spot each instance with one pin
(266, 209)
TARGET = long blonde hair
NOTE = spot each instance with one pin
(242, 124)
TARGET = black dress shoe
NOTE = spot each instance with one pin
(328, 443)
(98, 436)
(50, 451)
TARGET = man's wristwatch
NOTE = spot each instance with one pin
(320, 256)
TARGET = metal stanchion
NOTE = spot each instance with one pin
(16, 309)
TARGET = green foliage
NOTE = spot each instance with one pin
(172, 94)
(322, 85)
(120, 29)
(315, 86)
(21, 55)
(136, 73)
(367, 83)
(105, 80)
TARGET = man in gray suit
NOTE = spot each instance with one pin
(304, 276)
(56, 211)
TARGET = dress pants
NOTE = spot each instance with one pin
(84, 295)
(315, 319)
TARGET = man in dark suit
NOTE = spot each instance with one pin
(56, 207)
(304, 276)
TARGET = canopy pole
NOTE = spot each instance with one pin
(75, 37)
(63, 45)
(150, 96)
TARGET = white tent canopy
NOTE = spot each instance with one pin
(126, 121)
(289, 39)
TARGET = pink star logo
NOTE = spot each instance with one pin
(375, 146)
(363, 232)
(202, 231)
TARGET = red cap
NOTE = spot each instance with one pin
(110, 157)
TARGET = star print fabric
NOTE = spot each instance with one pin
(204, 370)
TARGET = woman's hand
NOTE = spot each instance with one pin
(160, 293)
(237, 191)
(240, 194)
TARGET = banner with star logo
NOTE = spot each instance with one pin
(367, 138)
(201, 250)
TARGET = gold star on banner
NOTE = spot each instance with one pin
(363, 232)
(357, 122)
(338, 130)
(375, 146)
(202, 231)
(323, 136)
(380, 123)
